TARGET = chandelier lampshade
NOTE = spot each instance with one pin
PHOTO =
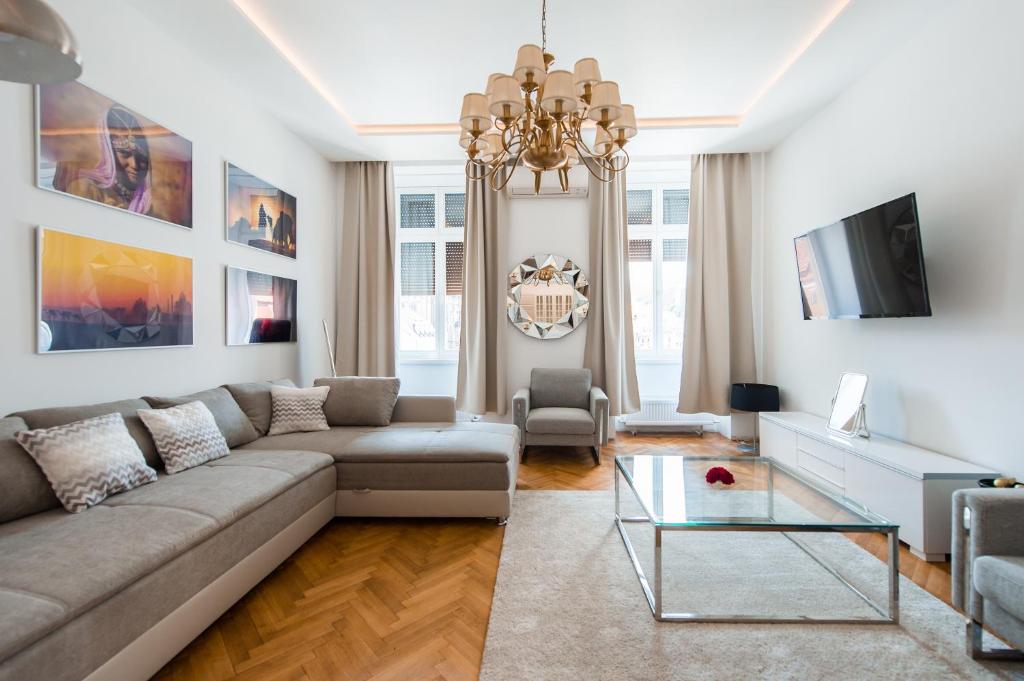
(537, 116)
(605, 105)
(559, 95)
(586, 72)
(624, 126)
(506, 98)
(475, 117)
(530, 70)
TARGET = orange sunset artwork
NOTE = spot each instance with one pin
(99, 295)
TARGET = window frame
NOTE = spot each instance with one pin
(439, 234)
(658, 232)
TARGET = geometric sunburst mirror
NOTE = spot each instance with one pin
(547, 296)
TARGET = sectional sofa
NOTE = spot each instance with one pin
(116, 591)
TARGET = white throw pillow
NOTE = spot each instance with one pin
(186, 436)
(88, 461)
(298, 410)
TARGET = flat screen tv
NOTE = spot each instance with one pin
(869, 265)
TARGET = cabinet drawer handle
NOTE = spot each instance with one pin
(363, 490)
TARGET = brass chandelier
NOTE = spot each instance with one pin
(536, 117)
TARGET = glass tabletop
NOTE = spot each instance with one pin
(673, 491)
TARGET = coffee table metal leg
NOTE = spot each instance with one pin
(658, 610)
(894, 576)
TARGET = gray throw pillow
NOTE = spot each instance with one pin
(88, 461)
(298, 410)
(254, 399)
(230, 418)
(186, 436)
(360, 400)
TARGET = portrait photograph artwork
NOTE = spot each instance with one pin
(91, 147)
(259, 214)
(261, 308)
(100, 295)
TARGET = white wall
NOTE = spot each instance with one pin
(941, 116)
(131, 60)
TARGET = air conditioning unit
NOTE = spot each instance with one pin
(521, 184)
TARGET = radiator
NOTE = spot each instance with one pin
(661, 416)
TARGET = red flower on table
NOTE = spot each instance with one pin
(719, 474)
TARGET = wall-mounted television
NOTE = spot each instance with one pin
(869, 265)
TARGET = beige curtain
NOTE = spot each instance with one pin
(365, 343)
(718, 343)
(481, 377)
(609, 346)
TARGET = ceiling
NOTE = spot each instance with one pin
(385, 79)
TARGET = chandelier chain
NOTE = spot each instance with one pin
(544, 25)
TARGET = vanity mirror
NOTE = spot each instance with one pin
(847, 417)
(547, 296)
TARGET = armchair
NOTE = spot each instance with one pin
(988, 567)
(562, 408)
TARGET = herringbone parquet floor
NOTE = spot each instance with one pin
(402, 600)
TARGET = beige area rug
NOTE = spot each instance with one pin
(567, 605)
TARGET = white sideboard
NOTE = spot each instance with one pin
(907, 485)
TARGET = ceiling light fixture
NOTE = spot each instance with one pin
(36, 46)
(535, 117)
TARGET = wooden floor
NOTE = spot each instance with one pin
(409, 600)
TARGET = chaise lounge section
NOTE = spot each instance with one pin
(128, 583)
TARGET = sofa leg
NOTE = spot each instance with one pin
(502, 521)
(522, 454)
(977, 651)
(597, 455)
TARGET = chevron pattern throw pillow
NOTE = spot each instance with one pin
(88, 461)
(298, 410)
(186, 436)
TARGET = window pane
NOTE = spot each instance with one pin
(455, 210)
(673, 293)
(676, 206)
(453, 259)
(641, 287)
(417, 211)
(638, 206)
(416, 309)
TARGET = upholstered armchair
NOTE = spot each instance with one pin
(988, 567)
(562, 408)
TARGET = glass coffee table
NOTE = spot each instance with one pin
(766, 497)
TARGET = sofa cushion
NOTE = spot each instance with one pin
(254, 400)
(88, 461)
(72, 562)
(186, 436)
(232, 421)
(422, 475)
(405, 442)
(59, 416)
(298, 410)
(24, 489)
(1001, 579)
(360, 400)
(99, 632)
(560, 421)
(560, 388)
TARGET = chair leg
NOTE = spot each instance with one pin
(977, 651)
(597, 455)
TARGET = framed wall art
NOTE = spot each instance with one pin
(259, 214)
(100, 295)
(261, 308)
(93, 148)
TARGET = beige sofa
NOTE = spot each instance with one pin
(116, 591)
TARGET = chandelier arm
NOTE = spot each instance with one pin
(511, 168)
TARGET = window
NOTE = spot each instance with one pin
(430, 257)
(658, 217)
